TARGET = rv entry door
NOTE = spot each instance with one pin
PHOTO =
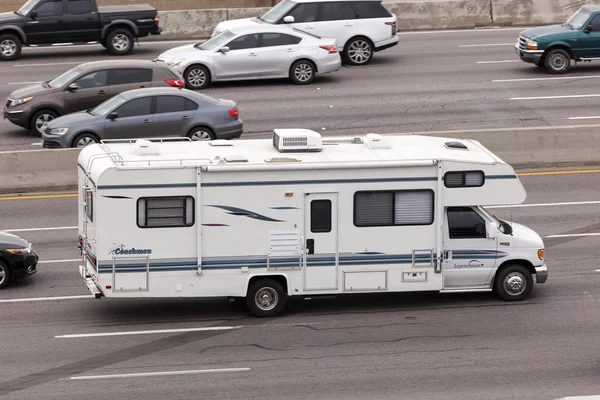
(321, 241)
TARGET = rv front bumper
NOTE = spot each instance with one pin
(541, 273)
(90, 282)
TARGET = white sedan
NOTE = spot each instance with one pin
(260, 52)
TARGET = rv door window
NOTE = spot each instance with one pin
(388, 208)
(89, 209)
(165, 212)
(320, 216)
(465, 223)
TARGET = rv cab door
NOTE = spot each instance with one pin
(470, 248)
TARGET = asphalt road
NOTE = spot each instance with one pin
(432, 81)
(408, 346)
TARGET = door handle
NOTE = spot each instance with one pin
(290, 50)
(310, 246)
(252, 54)
(101, 92)
(185, 117)
(147, 121)
(348, 24)
(143, 86)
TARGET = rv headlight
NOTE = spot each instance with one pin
(532, 45)
(541, 254)
(58, 131)
(18, 102)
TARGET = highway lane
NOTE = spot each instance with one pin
(423, 346)
(432, 81)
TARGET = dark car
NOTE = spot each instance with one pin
(47, 22)
(17, 259)
(83, 87)
(148, 113)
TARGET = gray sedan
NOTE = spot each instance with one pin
(147, 113)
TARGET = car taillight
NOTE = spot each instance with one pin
(330, 49)
(156, 20)
(175, 82)
(393, 24)
(234, 112)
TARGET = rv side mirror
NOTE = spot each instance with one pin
(588, 29)
(113, 115)
(492, 232)
(289, 19)
(72, 87)
(506, 228)
(224, 49)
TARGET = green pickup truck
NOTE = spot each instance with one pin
(555, 47)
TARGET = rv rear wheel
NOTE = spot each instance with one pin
(513, 283)
(266, 298)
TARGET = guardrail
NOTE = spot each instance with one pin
(524, 148)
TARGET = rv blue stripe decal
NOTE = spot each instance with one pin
(149, 186)
(501, 177)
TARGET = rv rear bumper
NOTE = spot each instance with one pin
(541, 273)
(90, 282)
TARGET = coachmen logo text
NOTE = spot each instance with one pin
(122, 251)
(471, 264)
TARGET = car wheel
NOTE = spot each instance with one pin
(41, 118)
(266, 298)
(358, 51)
(5, 275)
(302, 72)
(513, 283)
(120, 42)
(196, 77)
(10, 47)
(201, 133)
(84, 139)
(557, 61)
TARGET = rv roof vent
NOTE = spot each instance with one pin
(220, 142)
(235, 158)
(281, 160)
(456, 145)
(375, 141)
(145, 147)
(285, 140)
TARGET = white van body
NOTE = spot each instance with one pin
(301, 215)
(342, 20)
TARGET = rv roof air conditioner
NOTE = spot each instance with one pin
(296, 140)
(145, 147)
(375, 141)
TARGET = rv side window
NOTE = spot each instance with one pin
(465, 223)
(165, 212)
(456, 179)
(388, 208)
(89, 208)
(320, 216)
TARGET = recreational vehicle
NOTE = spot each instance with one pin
(301, 215)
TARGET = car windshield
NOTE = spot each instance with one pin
(578, 19)
(64, 78)
(277, 12)
(107, 106)
(27, 7)
(215, 41)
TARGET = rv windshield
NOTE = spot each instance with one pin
(578, 19)
(279, 11)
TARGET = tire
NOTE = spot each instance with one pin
(10, 47)
(358, 51)
(40, 118)
(513, 283)
(557, 61)
(84, 139)
(196, 77)
(302, 72)
(119, 42)
(103, 43)
(201, 133)
(273, 295)
(5, 275)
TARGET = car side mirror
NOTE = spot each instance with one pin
(224, 49)
(113, 115)
(289, 19)
(72, 87)
(492, 232)
(33, 14)
(588, 29)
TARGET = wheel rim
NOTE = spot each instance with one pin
(558, 62)
(359, 51)
(85, 141)
(303, 72)
(266, 299)
(196, 77)
(8, 47)
(2, 274)
(515, 283)
(42, 120)
(120, 42)
(201, 135)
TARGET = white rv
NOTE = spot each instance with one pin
(301, 215)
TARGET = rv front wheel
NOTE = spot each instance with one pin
(266, 298)
(513, 283)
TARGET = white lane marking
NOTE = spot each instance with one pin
(59, 261)
(165, 373)
(573, 235)
(51, 228)
(47, 64)
(548, 78)
(567, 203)
(36, 144)
(487, 45)
(598, 270)
(476, 30)
(497, 62)
(594, 117)
(148, 332)
(89, 296)
(23, 83)
(570, 96)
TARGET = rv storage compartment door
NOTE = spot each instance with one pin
(365, 281)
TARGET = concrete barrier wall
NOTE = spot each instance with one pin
(529, 148)
(536, 12)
